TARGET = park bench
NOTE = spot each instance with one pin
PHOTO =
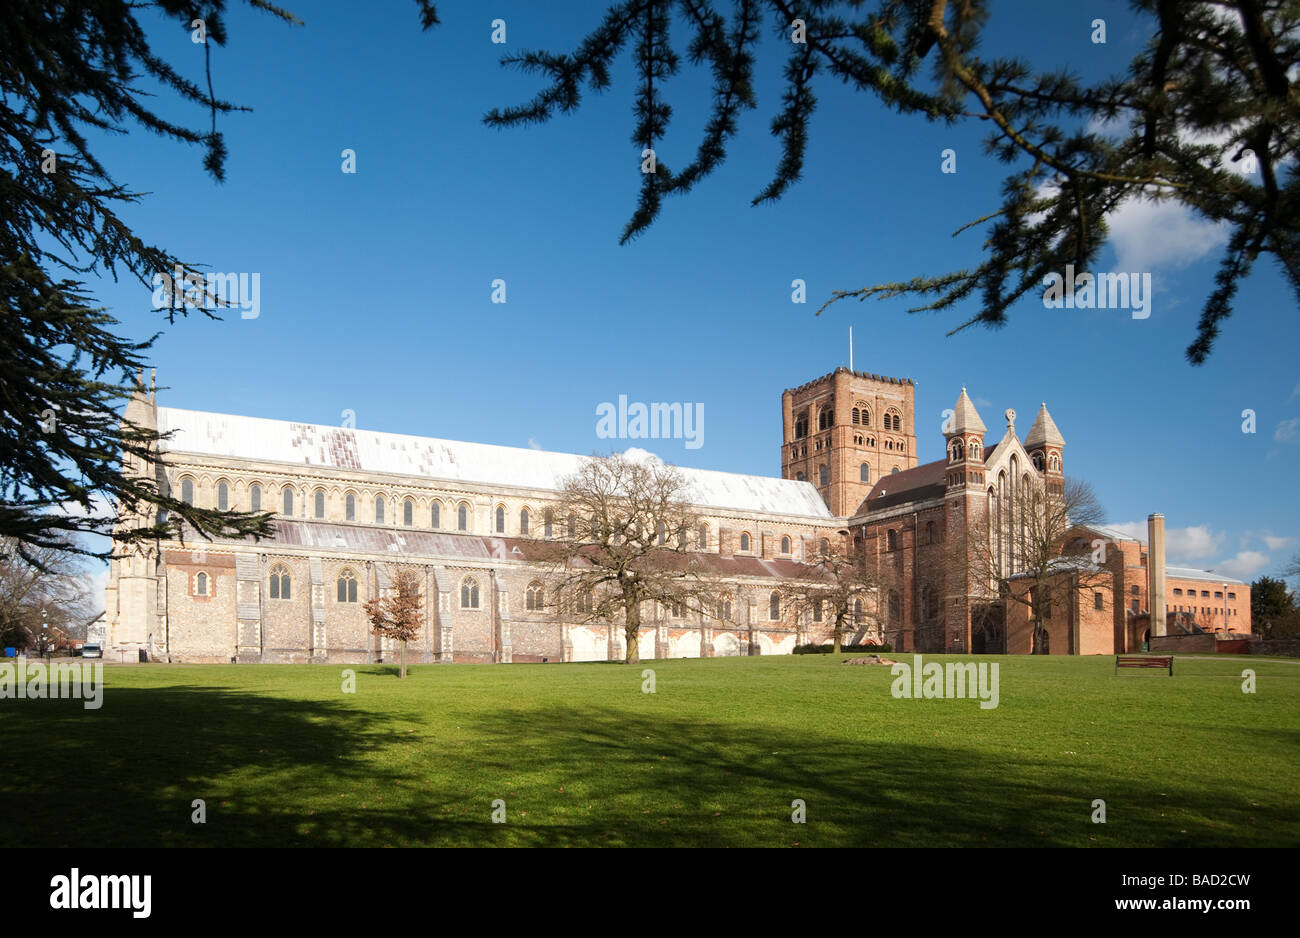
(1144, 661)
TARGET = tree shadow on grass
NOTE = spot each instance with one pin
(285, 772)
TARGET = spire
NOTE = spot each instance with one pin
(1044, 431)
(965, 418)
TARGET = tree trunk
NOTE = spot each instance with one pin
(403, 657)
(631, 632)
(839, 627)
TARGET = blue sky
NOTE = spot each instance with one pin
(376, 286)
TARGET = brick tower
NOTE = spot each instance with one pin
(964, 507)
(844, 431)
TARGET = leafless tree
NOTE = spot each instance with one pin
(838, 584)
(1016, 550)
(59, 595)
(625, 532)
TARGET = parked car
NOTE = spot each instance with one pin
(92, 650)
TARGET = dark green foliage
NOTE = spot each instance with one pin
(1211, 88)
(827, 649)
(64, 374)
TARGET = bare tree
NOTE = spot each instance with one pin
(839, 585)
(1016, 550)
(397, 616)
(626, 526)
(50, 587)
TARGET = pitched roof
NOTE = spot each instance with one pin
(919, 483)
(965, 418)
(306, 444)
(1044, 430)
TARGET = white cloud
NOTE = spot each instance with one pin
(1182, 545)
(636, 454)
(1244, 566)
(1147, 235)
(533, 444)
(1295, 392)
(983, 402)
(1288, 431)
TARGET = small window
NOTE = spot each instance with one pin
(533, 597)
(255, 497)
(523, 521)
(817, 611)
(857, 611)
(548, 524)
(350, 508)
(891, 540)
(1178, 592)
(501, 519)
(892, 471)
(462, 517)
(408, 513)
(824, 473)
(320, 504)
(744, 542)
(703, 542)
(1232, 595)
(435, 515)
(280, 582)
(1097, 601)
(187, 491)
(347, 587)
(1133, 590)
(201, 585)
(469, 593)
(864, 473)
(826, 547)
(799, 477)
(931, 533)
(584, 602)
(774, 606)
(288, 501)
(1218, 594)
(223, 496)
(785, 545)
(1205, 594)
(379, 509)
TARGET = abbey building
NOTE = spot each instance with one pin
(353, 505)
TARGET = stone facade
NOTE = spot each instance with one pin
(351, 506)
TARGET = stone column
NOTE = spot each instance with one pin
(1156, 572)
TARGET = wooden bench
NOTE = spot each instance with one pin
(1144, 661)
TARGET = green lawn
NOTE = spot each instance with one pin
(715, 757)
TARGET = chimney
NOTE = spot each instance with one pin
(1156, 572)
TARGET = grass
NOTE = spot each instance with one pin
(581, 756)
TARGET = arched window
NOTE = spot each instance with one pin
(825, 418)
(187, 491)
(1054, 462)
(548, 524)
(774, 606)
(892, 471)
(408, 513)
(501, 519)
(320, 503)
(974, 449)
(584, 601)
(826, 547)
(824, 473)
(801, 426)
(857, 611)
(523, 521)
(864, 473)
(436, 514)
(350, 508)
(223, 496)
(347, 586)
(280, 582)
(533, 597)
(255, 497)
(892, 539)
(462, 517)
(956, 451)
(785, 545)
(379, 509)
(288, 501)
(866, 415)
(744, 542)
(724, 609)
(469, 593)
(201, 585)
(799, 477)
(857, 415)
